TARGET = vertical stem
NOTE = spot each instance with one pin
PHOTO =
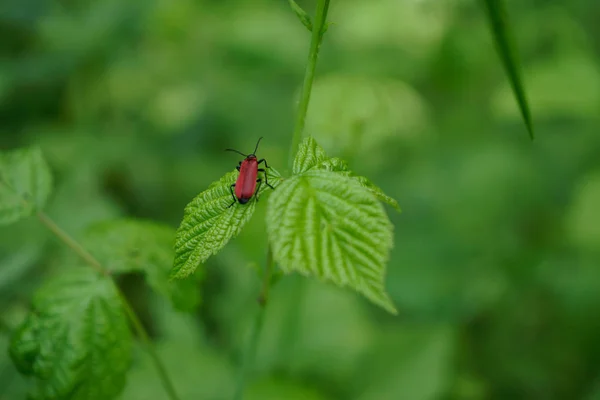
(250, 351)
(315, 43)
(133, 318)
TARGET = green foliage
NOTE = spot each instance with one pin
(209, 223)
(497, 18)
(324, 223)
(75, 343)
(25, 184)
(495, 267)
(130, 245)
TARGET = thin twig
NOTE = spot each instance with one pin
(309, 75)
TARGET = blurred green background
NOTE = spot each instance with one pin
(495, 268)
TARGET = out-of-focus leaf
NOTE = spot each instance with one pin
(411, 27)
(209, 223)
(561, 87)
(360, 116)
(129, 245)
(186, 356)
(411, 363)
(12, 384)
(583, 221)
(76, 343)
(25, 184)
(498, 23)
(276, 389)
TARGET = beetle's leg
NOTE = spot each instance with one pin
(266, 178)
(232, 195)
(238, 168)
(259, 181)
(263, 161)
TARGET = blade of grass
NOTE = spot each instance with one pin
(497, 17)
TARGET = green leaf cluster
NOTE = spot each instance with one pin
(75, 343)
(324, 221)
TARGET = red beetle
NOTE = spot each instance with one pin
(245, 185)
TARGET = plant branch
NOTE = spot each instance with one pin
(318, 30)
(263, 297)
(133, 318)
(315, 43)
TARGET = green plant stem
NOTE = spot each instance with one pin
(309, 75)
(263, 297)
(318, 30)
(141, 331)
(133, 318)
(252, 346)
(71, 243)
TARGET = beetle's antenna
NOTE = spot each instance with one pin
(237, 151)
(256, 148)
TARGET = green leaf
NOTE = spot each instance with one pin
(76, 343)
(209, 223)
(310, 155)
(25, 184)
(325, 224)
(129, 245)
(497, 18)
(338, 165)
(301, 14)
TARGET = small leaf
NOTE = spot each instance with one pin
(309, 155)
(325, 224)
(76, 343)
(338, 165)
(497, 18)
(301, 14)
(209, 223)
(25, 184)
(129, 245)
